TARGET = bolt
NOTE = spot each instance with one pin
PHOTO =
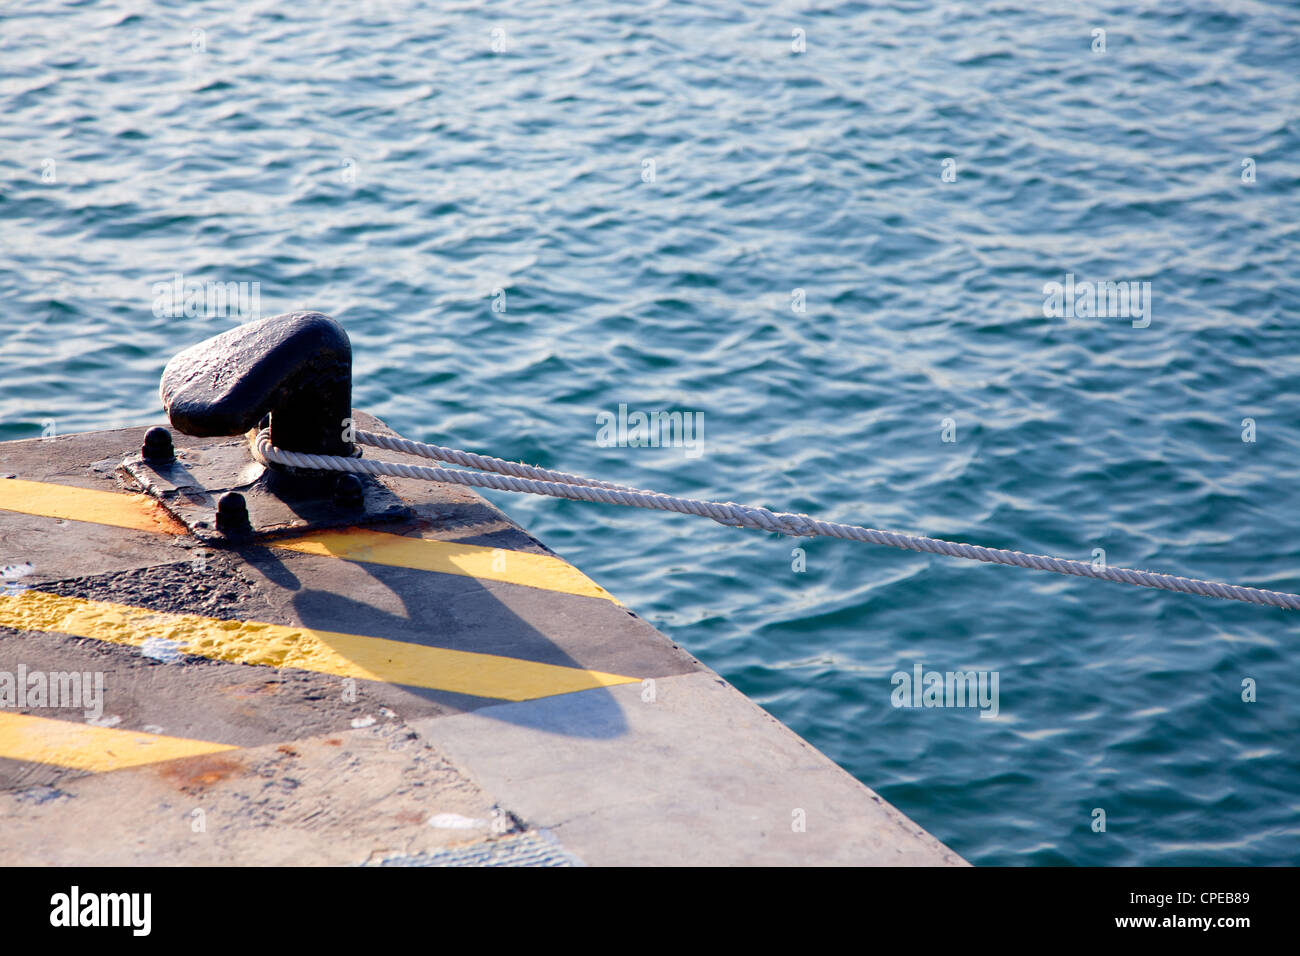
(158, 446)
(348, 492)
(232, 515)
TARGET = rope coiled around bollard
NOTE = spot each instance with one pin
(512, 476)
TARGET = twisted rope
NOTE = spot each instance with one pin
(513, 476)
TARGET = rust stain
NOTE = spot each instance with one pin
(166, 520)
(253, 689)
(196, 773)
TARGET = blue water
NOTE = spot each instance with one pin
(382, 163)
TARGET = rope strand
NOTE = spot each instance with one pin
(514, 476)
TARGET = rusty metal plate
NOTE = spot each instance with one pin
(278, 503)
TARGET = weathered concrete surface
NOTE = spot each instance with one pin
(698, 776)
(338, 799)
(671, 766)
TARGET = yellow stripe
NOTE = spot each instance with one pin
(137, 512)
(325, 652)
(141, 513)
(447, 557)
(84, 747)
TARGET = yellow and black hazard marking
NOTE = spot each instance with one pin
(179, 684)
(358, 656)
(139, 512)
(527, 569)
(204, 650)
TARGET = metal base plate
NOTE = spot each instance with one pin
(278, 503)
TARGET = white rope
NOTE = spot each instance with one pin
(513, 476)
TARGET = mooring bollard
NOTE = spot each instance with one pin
(296, 368)
(291, 374)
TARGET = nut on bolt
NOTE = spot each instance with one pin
(232, 515)
(158, 447)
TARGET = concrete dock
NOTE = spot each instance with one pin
(437, 688)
